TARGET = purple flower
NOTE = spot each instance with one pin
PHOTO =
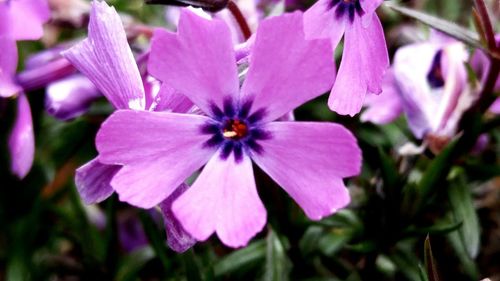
(433, 85)
(107, 60)
(160, 150)
(23, 19)
(19, 20)
(364, 59)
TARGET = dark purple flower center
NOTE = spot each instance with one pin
(435, 74)
(351, 8)
(235, 130)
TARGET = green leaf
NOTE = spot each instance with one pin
(156, 238)
(463, 210)
(455, 31)
(309, 241)
(133, 263)
(406, 262)
(334, 240)
(430, 264)
(467, 262)
(438, 228)
(389, 170)
(193, 270)
(278, 266)
(246, 257)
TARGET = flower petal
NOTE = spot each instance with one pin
(22, 140)
(224, 200)
(93, 181)
(178, 239)
(386, 107)
(308, 160)
(320, 22)
(168, 99)
(198, 61)
(412, 64)
(70, 97)
(363, 66)
(8, 65)
(159, 150)
(106, 59)
(281, 78)
(27, 18)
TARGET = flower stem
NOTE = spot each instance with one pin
(242, 22)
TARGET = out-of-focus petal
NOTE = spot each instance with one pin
(106, 59)
(159, 150)
(308, 160)
(40, 76)
(320, 22)
(178, 239)
(495, 108)
(22, 140)
(70, 97)
(168, 99)
(281, 78)
(27, 18)
(386, 107)
(199, 61)
(93, 181)
(224, 200)
(411, 66)
(364, 62)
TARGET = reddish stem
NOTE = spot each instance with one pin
(242, 22)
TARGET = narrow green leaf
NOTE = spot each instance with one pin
(406, 262)
(155, 238)
(278, 266)
(468, 264)
(455, 31)
(309, 241)
(438, 228)
(130, 266)
(334, 240)
(389, 170)
(193, 270)
(246, 257)
(463, 209)
(430, 264)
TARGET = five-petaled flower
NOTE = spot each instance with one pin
(160, 150)
(364, 59)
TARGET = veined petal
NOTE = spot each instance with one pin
(22, 140)
(27, 18)
(364, 62)
(178, 239)
(93, 181)
(224, 200)
(308, 160)
(168, 99)
(369, 7)
(320, 22)
(158, 151)
(280, 78)
(198, 61)
(106, 59)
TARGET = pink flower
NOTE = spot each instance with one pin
(160, 150)
(365, 58)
